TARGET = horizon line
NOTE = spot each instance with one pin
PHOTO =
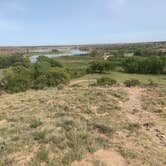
(84, 44)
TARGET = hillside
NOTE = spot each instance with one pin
(84, 125)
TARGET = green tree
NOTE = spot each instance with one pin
(99, 67)
(40, 68)
(56, 76)
(51, 61)
(16, 79)
(145, 65)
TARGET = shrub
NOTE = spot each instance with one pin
(7, 61)
(16, 80)
(41, 135)
(35, 123)
(37, 76)
(99, 67)
(76, 72)
(60, 86)
(40, 68)
(93, 53)
(145, 65)
(102, 128)
(132, 82)
(40, 82)
(51, 61)
(106, 81)
(56, 76)
(42, 154)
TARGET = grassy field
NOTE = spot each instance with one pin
(81, 125)
(79, 62)
(85, 125)
(121, 77)
(1, 73)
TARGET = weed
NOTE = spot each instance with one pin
(36, 123)
(103, 129)
(42, 154)
(132, 127)
(41, 135)
(132, 82)
(127, 153)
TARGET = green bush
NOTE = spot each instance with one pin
(99, 67)
(51, 78)
(7, 61)
(40, 82)
(93, 53)
(145, 65)
(76, 72)
(51, 61)
(132, 82)
(56, 76)
(37, 76)
(106, 81)
(16, 80)
(40, 68)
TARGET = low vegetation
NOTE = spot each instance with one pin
(44, 73)
(99, 67)
(7, 61)
(106, 81)
(145, 65)
(132, 82)
(80, 110)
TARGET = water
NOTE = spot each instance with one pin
(33, 58)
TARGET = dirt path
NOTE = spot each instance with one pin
(77, 82)
(134, 103)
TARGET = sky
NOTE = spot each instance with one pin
(61, 22)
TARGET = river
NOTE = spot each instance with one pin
(33, 58)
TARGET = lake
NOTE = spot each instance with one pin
(33, 58)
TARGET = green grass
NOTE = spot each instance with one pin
(127, 153)
(76, 61)
(1, 73)
(35, 123)
(121, 77)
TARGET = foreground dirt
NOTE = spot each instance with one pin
(85, 126)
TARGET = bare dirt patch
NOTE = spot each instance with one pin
(107, 157)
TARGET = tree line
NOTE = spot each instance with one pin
(145, 65)
(46, 72)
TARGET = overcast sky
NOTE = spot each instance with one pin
(45, 22)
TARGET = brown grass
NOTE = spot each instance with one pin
(65, 127)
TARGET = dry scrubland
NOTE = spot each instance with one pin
(81, 125)
(85, 125)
